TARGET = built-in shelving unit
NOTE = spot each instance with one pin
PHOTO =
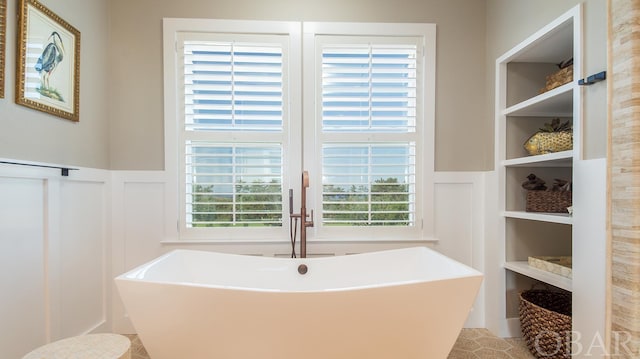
(521, 108)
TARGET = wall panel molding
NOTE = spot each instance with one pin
(142, 230)
(54, 246)
(75, 234)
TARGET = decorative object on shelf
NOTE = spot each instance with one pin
(545, 321)
(553, 137)
(560, 265)
(563, 76)
(534, 183)
(48, 73)
(3, 35)
(539, 199)
(561, 185)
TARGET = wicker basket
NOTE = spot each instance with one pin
(545, 321)
(548, 201)
(557, 79)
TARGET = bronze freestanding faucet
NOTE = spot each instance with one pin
(303, 215)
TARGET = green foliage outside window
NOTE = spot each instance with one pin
(260, 205)
(386, 204)
(252, 205)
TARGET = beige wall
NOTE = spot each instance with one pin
(511, 21)
(121, 124)
(27, 134)
(136, 94)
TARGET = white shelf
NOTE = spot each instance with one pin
(557, 159)
(555, 280)
(559, 218)
(554, 103)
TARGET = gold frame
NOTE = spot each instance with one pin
(3, 36)
(43, 57)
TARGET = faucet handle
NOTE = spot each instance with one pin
(305, 179)
(309, 223)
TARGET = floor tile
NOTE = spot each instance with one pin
(476, 343)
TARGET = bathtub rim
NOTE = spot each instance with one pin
(131, 275)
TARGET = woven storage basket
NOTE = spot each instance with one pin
(558, 79)
(545, 321)
(548, 201)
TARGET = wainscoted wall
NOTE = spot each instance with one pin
(63, 239)
(142, 229)
(54, 251)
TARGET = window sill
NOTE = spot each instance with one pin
(422, 240)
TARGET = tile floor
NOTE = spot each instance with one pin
(482, 344)
(471, 344)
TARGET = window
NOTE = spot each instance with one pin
(232, 86)
(371, 111)
(233, 117)
(368, 88)
(228, 107)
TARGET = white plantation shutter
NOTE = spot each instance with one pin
(369, 89)
(233, 184)
(232, 86)
(368, 184)
(250, 104)
(233, 134)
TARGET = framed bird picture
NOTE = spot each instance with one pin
(48, 73)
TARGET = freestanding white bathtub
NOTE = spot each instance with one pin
(397, 304)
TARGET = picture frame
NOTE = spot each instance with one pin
(3, 42)
(48, 68)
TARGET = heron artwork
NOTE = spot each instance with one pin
(47, 63)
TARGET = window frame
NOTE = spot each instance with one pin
(173, 29)
(425, 129)
(302, 135)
